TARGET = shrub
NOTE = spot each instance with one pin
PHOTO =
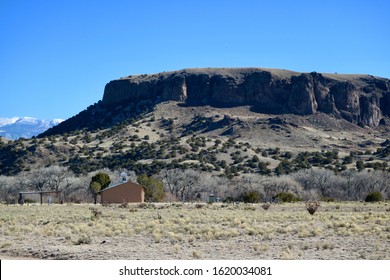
(374, 197)
(124, 204)
(143, 205)
(312, 207)
(249, 208)
(96, 213)
(29, 200)
(266, 206)
(84, 239)
(286, 197)
(327, 199)
(196, 254)
(251, 197)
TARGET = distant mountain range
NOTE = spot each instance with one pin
(26, 127)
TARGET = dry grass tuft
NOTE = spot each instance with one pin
(196, 254)
(84, 239)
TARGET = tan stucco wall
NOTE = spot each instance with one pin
(127, 192)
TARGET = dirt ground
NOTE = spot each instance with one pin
(7, 257)
(335, 232)
(240, 249)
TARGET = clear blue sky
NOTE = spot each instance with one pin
(57, 56)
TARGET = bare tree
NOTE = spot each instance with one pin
(213, 184)
(58, 178)
(246, 183)
(274, 185)
(348, 187)
(183, 185)
(304, 177)
(189, 182)
(38, 179)
(22, 181)
(365, 182)
(8, 191)
(323, 181)
(171, 179)
(131, 175)
(78, 190)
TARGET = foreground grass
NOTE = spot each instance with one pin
(186, 230)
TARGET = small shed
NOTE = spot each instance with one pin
(123, 192)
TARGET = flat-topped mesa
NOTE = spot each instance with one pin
(361, 99)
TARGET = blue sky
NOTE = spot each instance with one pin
(57, 56)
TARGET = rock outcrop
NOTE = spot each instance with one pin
(360, 99)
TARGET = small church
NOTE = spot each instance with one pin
(123, 191)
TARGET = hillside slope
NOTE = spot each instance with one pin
(360, 99)
(222, 121)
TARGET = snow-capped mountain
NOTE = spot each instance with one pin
(26, 127)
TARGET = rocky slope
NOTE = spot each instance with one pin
(359, 99)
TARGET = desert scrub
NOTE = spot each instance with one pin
(260, 248)
(303, 232)
(284, 229)
(266, 206)
(83, 239)
(5, 245)
(95, 213)
(157, 235)
(187, 226)
(287, 197)
(287, 255)
(176, 249)
(312, 207)
(235, 222)
(374, 197)
(196, 254)
(225, 234)
(174, 237)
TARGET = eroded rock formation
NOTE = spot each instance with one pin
(360, 99)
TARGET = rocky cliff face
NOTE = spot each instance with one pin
(360, 99)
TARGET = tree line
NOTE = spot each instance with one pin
(194, 185)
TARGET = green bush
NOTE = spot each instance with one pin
(327, 199)
(29, 200)
(374, 197)
(286, 197)
(154, 189)
(251, 197)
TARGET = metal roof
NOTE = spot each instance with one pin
(120, 183)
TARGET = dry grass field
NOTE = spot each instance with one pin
(347, 230)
